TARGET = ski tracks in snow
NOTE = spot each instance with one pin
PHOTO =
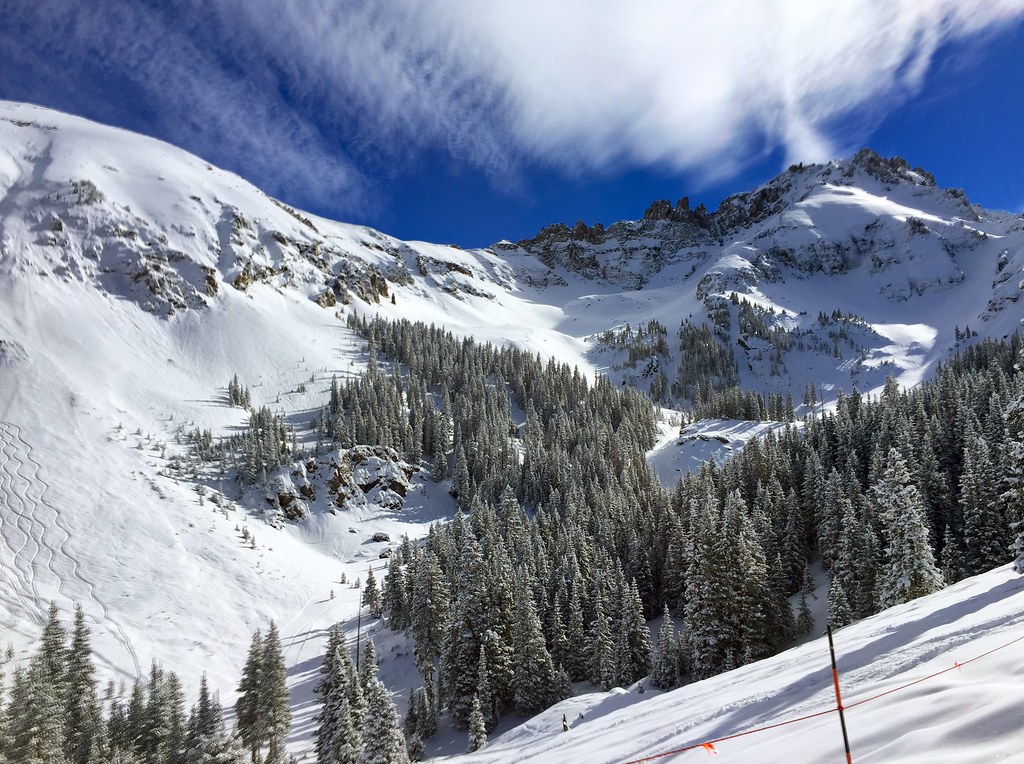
(38, 539)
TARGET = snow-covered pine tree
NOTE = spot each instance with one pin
(383, 742)
(804, 618)
(135, 717)
(633, 640)
(4, 740)
(953, 565)
(274, 701)
(203, 720)
(371, 595)
(985, 531)
(839, 612)
(426, 709)
(706, 588)
(395, 596)
(484, 695)
(534, 679)
(794, 553)
(477, 727)
(664, 674)
(38, 699)
(165, 717)
(247, 707)
(909, 571)
(460, 653)
(367, 663)
(1012, 496)
(83, 719)
(577, 657)
(602, 647)
(430, 602)
(335, 638)
(338, 738)
(206, 740)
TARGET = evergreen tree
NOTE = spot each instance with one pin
(467, 627)
(602, 661)
(707, 589)
(633, 641)
(1012, 496)
(38, 700)
(164, 734)
(665, 660)
(383, 742)
(82, 717)
(839, 613)
(429, 608)
(275, 711)
(247, 707)
(804, 619)
(136, 719)
(368, 664)
(985, 534)
(427, 709)
(395, 597)
(534, 679)
(477, 727)
(953, 565)
(909, 570)
(371, 595)
(4, 743)
(206, 740)
(338, 738)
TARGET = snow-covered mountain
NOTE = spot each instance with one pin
(136, 281)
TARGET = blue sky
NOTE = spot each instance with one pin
(466, 122)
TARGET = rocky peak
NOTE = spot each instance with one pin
(892, 170)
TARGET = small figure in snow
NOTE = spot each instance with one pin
(565, 724)
(640, 689)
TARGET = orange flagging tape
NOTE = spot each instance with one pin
(708, 745)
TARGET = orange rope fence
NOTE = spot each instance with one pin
(709, 745)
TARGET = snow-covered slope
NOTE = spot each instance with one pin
(136, 280)
(970, 714)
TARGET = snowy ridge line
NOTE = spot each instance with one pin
(709, 744)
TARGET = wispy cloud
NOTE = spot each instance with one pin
(323, 95)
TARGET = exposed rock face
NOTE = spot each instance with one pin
(369, 474)
(348, 478)
(629, 253)
(289, 492)
(891, 170)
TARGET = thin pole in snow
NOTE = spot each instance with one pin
(839, 698)
(359, 623)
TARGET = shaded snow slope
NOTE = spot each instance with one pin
(965, 715)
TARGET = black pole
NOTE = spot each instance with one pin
(839, 698)
(359, 623)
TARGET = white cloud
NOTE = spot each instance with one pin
(588, 84)
(688, 84)
(584, 85)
